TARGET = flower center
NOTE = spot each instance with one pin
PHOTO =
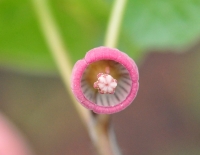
(105, 84)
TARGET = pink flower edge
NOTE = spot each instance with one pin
(12, 141)
(104, 53)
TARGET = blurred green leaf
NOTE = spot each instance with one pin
(21, 42)
(83, 23)
(162, 23)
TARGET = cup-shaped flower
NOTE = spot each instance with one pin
(105, 81)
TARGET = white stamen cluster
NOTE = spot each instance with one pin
(105, 84)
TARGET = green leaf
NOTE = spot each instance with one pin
(81, 23)
(162, 23)
(21, 43)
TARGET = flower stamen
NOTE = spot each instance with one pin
(107, 70)
(105, 84)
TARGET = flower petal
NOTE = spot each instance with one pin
(102, 79)
(108, 79)
(110, 90)
(113, 84)
(105, 89)
(101, 85)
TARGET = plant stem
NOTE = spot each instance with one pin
(98, 126)
(113, 29)
(107, 144)
(103, 136)
(58, 50)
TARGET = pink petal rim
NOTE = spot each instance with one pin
(104, 53)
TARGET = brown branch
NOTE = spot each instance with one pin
(102, 135)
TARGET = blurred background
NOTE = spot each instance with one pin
(162, 36)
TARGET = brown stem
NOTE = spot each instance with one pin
(102, 135)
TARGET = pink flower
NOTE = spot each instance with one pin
(105, 81)
(11, 140)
